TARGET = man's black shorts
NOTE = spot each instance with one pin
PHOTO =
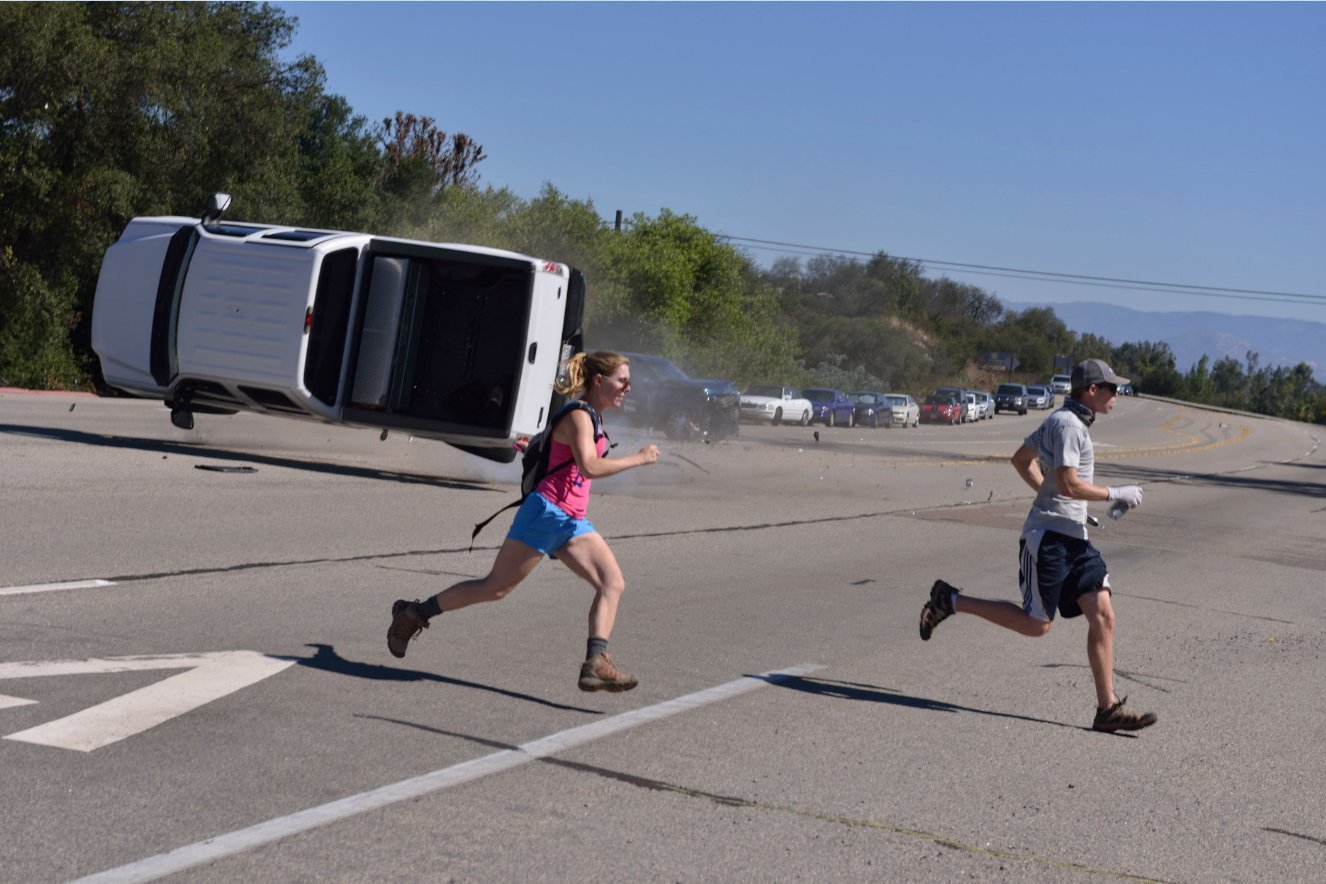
(1055, 570)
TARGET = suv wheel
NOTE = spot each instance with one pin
(678, 425)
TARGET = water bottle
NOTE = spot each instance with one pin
(1116, 510)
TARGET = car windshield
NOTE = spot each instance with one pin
(819, 394)
(867, 398)
(765, 390)
(669, 371)
(897, 400)
(1010, 388)
(1036, 391)
(940, 400)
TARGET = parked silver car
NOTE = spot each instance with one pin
(985, 404)
(1039, 397)
(906, 413)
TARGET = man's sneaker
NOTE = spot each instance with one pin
(1117, 718)
(406, 623)
(599, 673)
(939, 607)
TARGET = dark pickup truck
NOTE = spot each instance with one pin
(665, 398)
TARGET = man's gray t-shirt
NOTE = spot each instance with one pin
(1061, 440)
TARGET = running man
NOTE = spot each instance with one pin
(1059, 568)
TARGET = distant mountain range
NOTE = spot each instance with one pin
(1189, 335)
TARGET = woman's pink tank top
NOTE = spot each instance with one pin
(566, 488)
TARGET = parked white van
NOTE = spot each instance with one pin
(458, 343)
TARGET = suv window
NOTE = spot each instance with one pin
(656, 367)
(1016, 389)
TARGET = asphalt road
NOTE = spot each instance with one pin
(209, 696)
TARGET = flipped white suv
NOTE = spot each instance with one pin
(458, 343)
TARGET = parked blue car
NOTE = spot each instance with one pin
(831, 407)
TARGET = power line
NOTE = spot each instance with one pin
(1051, 276)
(1143, 288)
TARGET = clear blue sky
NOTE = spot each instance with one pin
(1177, 143)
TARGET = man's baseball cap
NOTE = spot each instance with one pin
(1094, 371)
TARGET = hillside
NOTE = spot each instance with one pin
(1277, 342)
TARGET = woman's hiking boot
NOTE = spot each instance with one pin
(599, 673)
(406, 623)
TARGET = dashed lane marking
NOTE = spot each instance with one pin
(54, 587)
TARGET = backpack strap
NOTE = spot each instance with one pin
(479, 526)
(599, 432)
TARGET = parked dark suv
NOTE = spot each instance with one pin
(665, 398)
(1011, 397)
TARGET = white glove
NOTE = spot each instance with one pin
(1129, 494)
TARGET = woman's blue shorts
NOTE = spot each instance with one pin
(543, 525)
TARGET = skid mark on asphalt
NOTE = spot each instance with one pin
(1135, 677)
(1321, 841)
(1244, 614)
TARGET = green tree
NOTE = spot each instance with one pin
(422, 161)
(1150, 366)
(1229, 383)
(669, 283)
(1090, 346)
(111, 110)
(1034, 336)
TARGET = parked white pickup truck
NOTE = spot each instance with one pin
(452, 342)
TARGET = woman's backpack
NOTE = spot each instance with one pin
(534, 462)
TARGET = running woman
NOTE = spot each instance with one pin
(552, 521)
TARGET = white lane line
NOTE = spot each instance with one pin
(147, 707)
(221, 846)
(54, 587)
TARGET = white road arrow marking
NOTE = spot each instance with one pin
(210, 677)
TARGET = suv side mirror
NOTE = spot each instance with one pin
(217, 203)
